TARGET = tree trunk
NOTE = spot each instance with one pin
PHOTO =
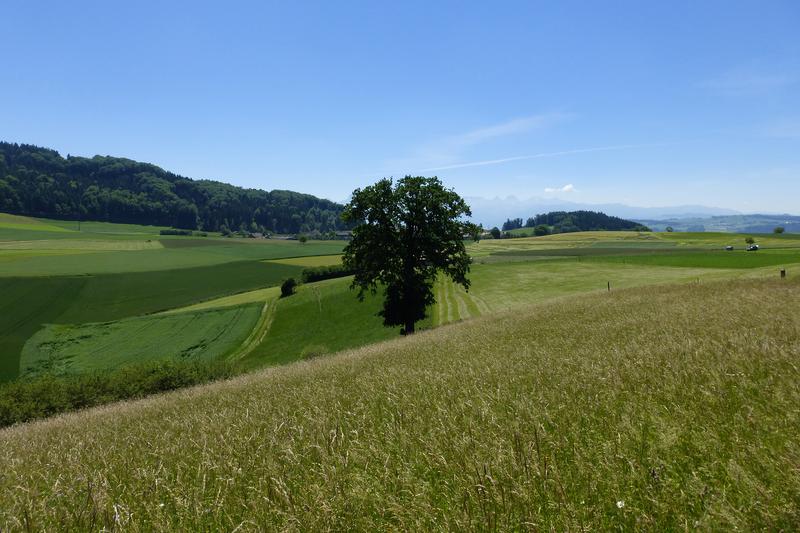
(409, 329)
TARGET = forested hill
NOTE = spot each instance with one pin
(569, 221)
(39, 182)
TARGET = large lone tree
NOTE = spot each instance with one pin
(405, 235)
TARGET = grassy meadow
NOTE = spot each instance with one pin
(70, 280)
(661, 407)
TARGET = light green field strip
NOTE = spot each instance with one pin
(27, 223)
(565, 240)
(507, 285)
(68, 349)
(9, 256)
(82, 245)
(442, 303)
(258, 295)
(310, 261)
(167, 258)
(625, 239)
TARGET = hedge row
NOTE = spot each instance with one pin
(27, 399)
(325, 272)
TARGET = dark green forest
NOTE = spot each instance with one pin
(569, 221)
(40, 182)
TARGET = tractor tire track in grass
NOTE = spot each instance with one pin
(259, 332)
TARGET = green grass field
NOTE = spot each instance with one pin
(632, 239)
(241, 298)
(321, 318)
(29, 303)
(27, 247)
(663, 403)
(17, 222)
(51, 273)
(674, 257)
(111, 272)
(658, 408)
(312, 261)
(80, 261)
(71, 349)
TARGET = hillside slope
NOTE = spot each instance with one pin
(655, 407)
(39, 182)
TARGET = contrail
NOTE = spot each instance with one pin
(539, 156)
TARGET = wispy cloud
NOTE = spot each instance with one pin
(748, 82)
(511, 127)
(566, 188)
(447, 150)
(538, 156)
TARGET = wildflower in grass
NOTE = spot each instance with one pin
(620, 504)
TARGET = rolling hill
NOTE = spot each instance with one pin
(40, 182)
(646, 408)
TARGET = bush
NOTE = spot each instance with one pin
(779, 230)
(47, 395)
(325, 272)
(287, 287)
(313, 351)
(184, 232)
(541, 230)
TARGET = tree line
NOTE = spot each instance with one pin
(37, 181)
(571, 221)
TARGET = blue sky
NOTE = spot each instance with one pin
(663, 104)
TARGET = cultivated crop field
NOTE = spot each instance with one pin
(53, 273)
(31, 302)
(666, 407)
(71, 349)
(54, 276)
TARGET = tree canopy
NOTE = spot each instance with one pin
(569, 221)
(405, 234)
(40, 182)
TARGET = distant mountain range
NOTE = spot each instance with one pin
(732, 223)
(493, 211)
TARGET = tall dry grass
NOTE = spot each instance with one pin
(653, 408)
